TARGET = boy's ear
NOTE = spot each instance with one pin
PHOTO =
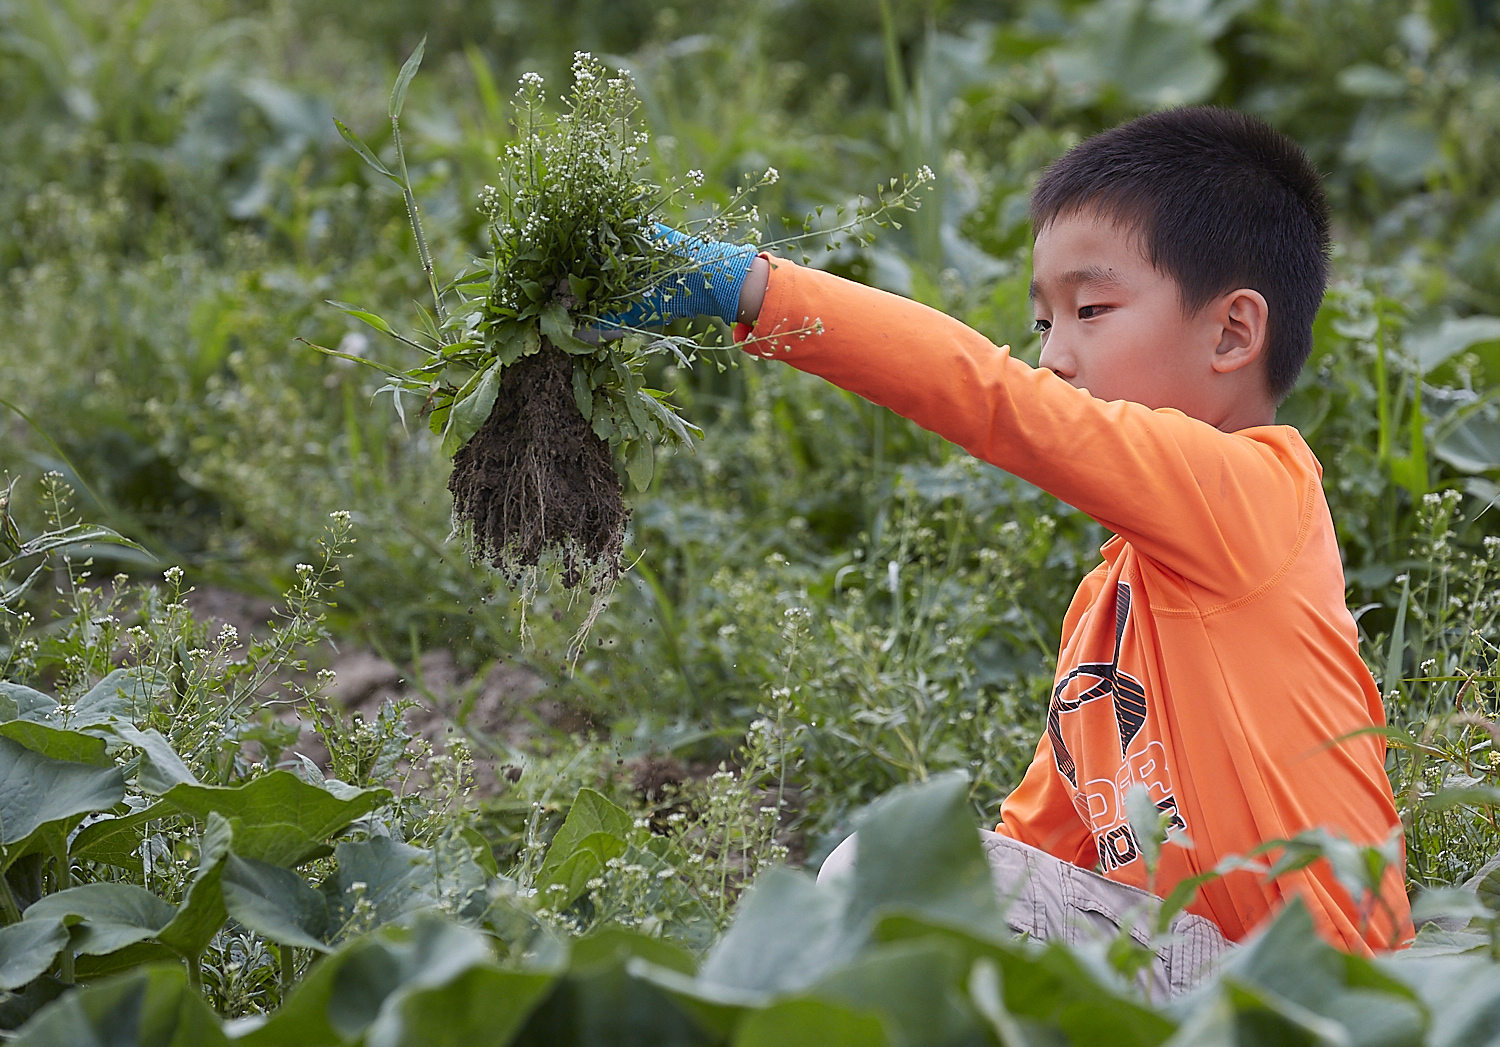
(1243, 317)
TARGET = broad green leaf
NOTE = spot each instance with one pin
(393, 878)
(349, 990)
(919, 852)
(334, 1003)
(38, 793)
(787, 932)
(18, 702)
(1287, 961)
(110, 915)
(807, 1022)
(1487, 890)
(1461, 993)
(161, 767)
(1124, 46)
(483, 1004)
(276, 799)
(1472, 446)
(16, 1008)
(202, 911)
(472, 410)
(557, 328)
(1451, 337)
(280, 843)
(115, 840)
(275, 903)
(59, 744)
(609, 944)
(28, 948)
(92, 968)
(642, 464)
(124, 695)
(986, 996)
(364, 314)
(604, 1004)
(516, 339)
(581, 287)
(1401, 146)
(716, 1008)
(912, 984)
(150, 1007)
(583, 395)
(591, 813)
(565, 882)
(1054, 985)
(403, 80)
(358, 145)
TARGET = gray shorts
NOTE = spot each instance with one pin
(1049, 899)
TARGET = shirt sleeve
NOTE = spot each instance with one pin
(1222, 510)
(1040, 812)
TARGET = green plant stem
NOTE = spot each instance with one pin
(286, 958)
(64, 876)
(8, 906)
(416, 225)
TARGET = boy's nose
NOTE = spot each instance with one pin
(1057, 358)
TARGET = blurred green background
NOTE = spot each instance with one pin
(176, 205)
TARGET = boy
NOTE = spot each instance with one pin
(1179, 262)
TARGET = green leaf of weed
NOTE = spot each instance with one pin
(111, 915)
(472, 409)
(403, 81)
(150, 1007)
(275, 903)
(28, 948)
(358, 145)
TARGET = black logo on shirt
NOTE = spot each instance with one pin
(1128, 694)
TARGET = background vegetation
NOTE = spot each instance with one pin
(825, 603)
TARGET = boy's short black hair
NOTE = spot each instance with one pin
(1221, 200)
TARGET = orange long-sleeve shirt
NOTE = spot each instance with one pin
(1210, 657)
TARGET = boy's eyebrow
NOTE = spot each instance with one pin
(1093, 274)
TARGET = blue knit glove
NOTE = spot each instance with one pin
(710, 286)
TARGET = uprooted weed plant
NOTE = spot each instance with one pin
(538, 353)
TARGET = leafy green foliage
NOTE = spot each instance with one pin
(174, 167)
(571, 242)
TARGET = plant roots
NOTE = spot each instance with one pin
(536, 480)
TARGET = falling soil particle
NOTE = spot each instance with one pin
(536, 479)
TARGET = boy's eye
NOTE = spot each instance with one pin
(1088, 312)
(1041, 326)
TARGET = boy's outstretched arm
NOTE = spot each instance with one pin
(1224, 510)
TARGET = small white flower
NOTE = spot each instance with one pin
(695, 176)
(772, 176)
(924, 174)
(531, 79)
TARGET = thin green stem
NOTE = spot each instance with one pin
(8, 904)
(416, 225)
(287, 960)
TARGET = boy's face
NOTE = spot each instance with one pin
(1114, 325)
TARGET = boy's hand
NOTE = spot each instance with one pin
(712, 283)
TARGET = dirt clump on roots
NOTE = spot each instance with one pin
(536, 479)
